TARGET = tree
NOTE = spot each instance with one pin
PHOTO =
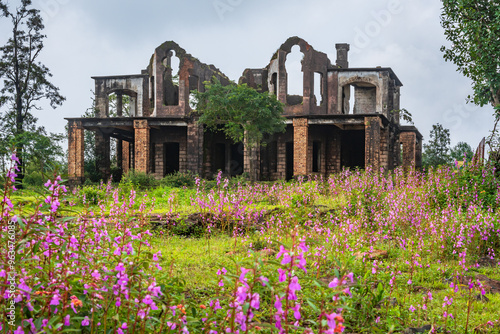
(473, 28)
(242, 113)
(462, 150)
(25, 79)
(436, 152)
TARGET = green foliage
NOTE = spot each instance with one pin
(178, 179)
(473, 28)
(242, 113)
(437, 151)
(139, 180)
(25, 78)
(460, 151)
(34, 179)
(92, 194)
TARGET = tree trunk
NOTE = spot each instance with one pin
(19, 141)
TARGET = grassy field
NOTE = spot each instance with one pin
(360, 252)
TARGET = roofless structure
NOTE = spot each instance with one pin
(345, 117)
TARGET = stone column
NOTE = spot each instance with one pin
(142, 146)
(75, 153)
(333, 152)
(372, 142)
(251, 154)
(125, 157)
(300, 148)
(194, 147)
(102, 154)
(408, 139)
(119, 142)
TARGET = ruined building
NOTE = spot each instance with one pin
(350, 119)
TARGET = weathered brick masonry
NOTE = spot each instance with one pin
(350, 121)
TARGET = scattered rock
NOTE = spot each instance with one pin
(419, 289)
(328, 279)
(489, 285)
(487, 327)
(375, 255)
(423, 329)
(487, 261)
(482, 298)
(267, 252)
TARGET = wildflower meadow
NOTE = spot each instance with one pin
(360, 252)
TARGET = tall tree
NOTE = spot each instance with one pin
(437, 151)
(473, 28)
(25, 78)
(242, 113)
(462, 150)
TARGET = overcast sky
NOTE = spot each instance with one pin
(109, 37)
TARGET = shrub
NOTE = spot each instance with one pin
(139, 180)
(34, 179)
(93, 194)
(179, 179)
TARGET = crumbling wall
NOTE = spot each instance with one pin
(192, 74)
(365, 100)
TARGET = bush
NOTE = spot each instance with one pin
(93, 194)
(139, 180)
(34, 179)
(116, 174)
(178, 180)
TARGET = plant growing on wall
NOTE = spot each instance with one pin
(242, 113)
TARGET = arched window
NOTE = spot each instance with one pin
(171, 79)
(295, 76)
(318, 88)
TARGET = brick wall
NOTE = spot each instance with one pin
(194, 147)
(408, 139)
(102, 152)
(142, 146)
(384, 148)
(333, 152)
(372, 142)
(365, 100)
(75, 152)
(125, 157)
(301, 147)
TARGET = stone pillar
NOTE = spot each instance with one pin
(119, 142)
(75, 153)
(102, 154)
(195, 147)
(300, 148)
(125, 157)
(409, 140)
(119, 104)
(385, 152)
(372, 142)
(333, 152)
(142, 146)
(252, 154)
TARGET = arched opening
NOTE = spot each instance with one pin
(318, 88)
(274, 83)
(295, 76)
(194, 82)
(120, 104)
(171, 79)
(347, 99)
